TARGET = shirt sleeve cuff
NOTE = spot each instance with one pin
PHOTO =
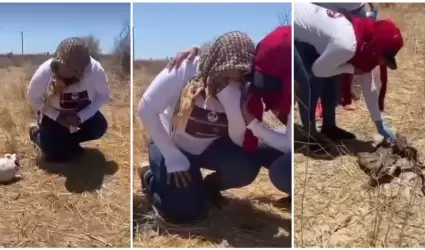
(253, 124)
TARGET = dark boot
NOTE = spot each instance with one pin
(337, 134)
(215, 196)
(144, 173)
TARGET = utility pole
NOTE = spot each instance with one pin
(133, 43)
(22, 42)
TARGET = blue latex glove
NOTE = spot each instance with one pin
(372, 14)
(385, 131)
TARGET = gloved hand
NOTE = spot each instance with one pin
(372, 14)
(385, 131)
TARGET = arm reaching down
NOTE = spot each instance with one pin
(37, 90)
(370, 94)
(102, 93)
(164, 91)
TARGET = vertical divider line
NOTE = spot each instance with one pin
(292, 139)
(131, 121)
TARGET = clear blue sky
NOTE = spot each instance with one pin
(46, 24)
(163, 29)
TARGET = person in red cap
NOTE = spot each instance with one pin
(327, 44)
(271, 84)
(349, 96)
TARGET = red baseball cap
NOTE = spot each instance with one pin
(388, 41)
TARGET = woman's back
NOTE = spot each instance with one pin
(318, 26)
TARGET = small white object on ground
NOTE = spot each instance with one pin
(9, 167)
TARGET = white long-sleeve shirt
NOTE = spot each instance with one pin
(278, 140)
(207, 122)
(333, 37)
(87, 96)
(330, 33)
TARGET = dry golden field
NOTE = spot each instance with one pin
(332, 206)
(252, 218)
(82, 204)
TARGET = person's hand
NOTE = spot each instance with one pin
(180, 179)
(73, 120)
(385, 131)
(189, 54)
(62, 120)
(67, 119)
(248, 117)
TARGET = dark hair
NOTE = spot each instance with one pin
(54, 66)
(347, 14)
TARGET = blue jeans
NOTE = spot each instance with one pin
(58, 144)
(280, 173)
(279, 165)
(232, 168)
(311, 88)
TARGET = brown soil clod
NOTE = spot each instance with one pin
(389, 161)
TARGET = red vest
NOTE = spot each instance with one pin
(375, 39)
(274, 58)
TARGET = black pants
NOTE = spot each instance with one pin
(58, 144)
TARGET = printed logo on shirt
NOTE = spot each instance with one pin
(212, 116)
(206, 124)
(333, 14)
(75, 101)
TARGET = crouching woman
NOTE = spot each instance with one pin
(192, 115)
(67, 92)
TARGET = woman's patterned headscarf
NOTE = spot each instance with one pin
(233, 51)
(74, 54)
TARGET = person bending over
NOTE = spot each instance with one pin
(327, 44)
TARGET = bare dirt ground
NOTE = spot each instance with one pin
(252, 219)
(332, 206)
(83, 204)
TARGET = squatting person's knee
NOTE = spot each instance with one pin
(186, 210)
(280, 174)
(101, 128)
(246, 177)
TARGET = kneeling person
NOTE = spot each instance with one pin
(67, 92)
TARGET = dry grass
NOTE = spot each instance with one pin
(333, 207)
(84, 204)
(251, 219)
